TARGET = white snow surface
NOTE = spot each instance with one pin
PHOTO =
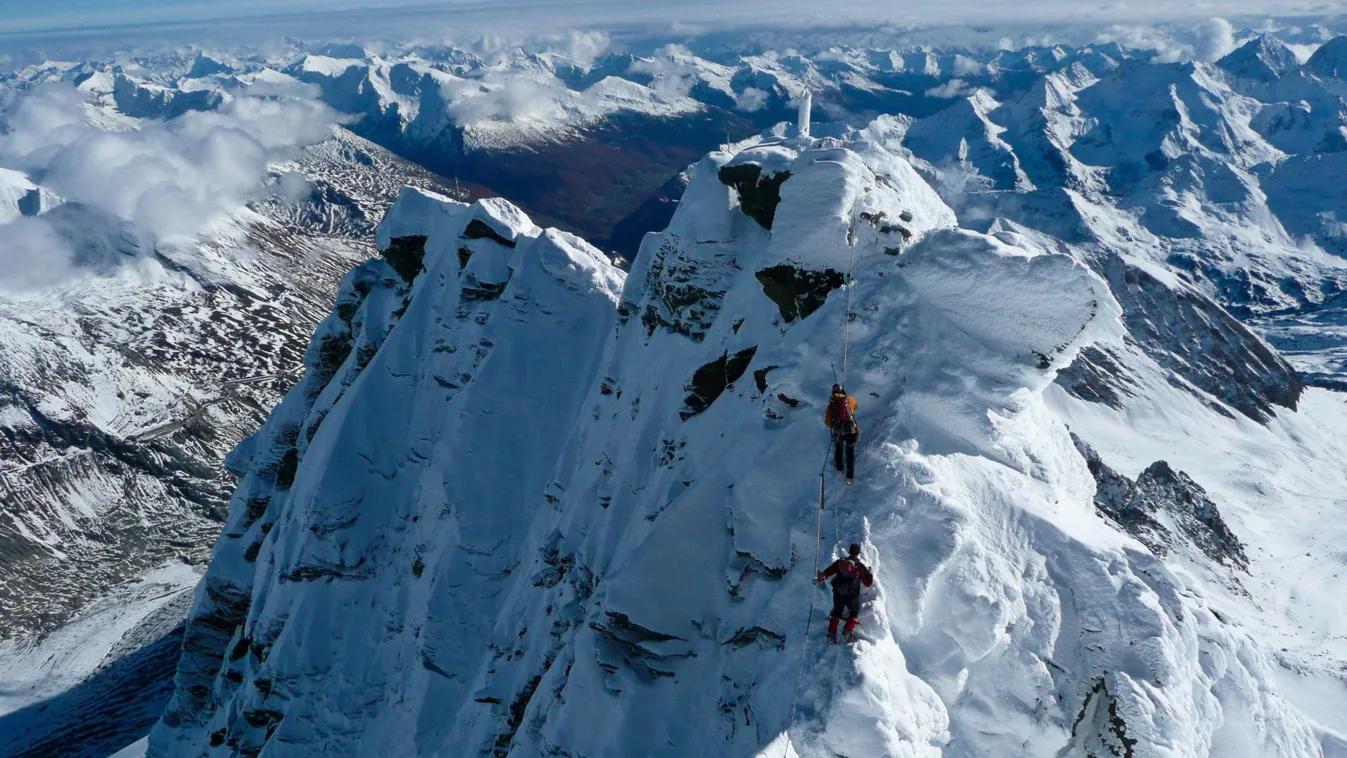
(524, 520)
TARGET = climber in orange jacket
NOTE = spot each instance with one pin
(848, 575)
(841, 419)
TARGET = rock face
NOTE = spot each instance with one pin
(797, 292)
(552, 273)
(758, 195)
(1264, 58)
(560, 521)
(1161, 492)
(1205, 350)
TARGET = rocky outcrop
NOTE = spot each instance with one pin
(1162, 492)
(712, 379)
(759, 195)
(1206, 350)
(798, 292)
(685, 292)
(404, 254)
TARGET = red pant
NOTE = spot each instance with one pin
(844, 605)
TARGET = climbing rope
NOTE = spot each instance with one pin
(809, 620)
(846, 343)
(822, 477)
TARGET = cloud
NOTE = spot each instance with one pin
(673, 69)
(952, 89)
(582, 47)
(752, 99)
(1208, 40)
(170, 180)
(1215, 39)
(506, 97)
(33, 256)
(965, 66)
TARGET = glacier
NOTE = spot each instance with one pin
(525, 503)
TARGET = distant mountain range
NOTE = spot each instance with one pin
(1203, 196)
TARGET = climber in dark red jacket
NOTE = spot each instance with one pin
(848, 574)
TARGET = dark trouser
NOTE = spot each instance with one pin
(848, 605)
(844, 448)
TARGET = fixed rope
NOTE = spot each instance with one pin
(846, 342)
(822, 477)
(809, 620)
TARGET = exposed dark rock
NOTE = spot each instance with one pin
(760, 378)
(1117, 498)
(620, 628)
(683, 295)
(475, 291)
(787, 399)
(1198, 517)
(877, 220)
(285, 471)
(1190, 335)
(204, 645)
(1098, 730)
(1134, 506)
(517, 710)
(798, 292)
(478, 229)
(709, 381)
(1097, 377)
(758, 195)
(464, 255)
(405, 255)
(757, 635)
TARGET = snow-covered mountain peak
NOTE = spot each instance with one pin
(1264, 58)
(599, 493)
(1330, 60)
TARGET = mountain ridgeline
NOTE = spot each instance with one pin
(525, 503)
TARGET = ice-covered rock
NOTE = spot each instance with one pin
(562, 519)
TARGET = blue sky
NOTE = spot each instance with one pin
(26, 16)
(37, 15)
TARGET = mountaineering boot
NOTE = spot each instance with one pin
(851, 480)
(832, 638)
(849, 638)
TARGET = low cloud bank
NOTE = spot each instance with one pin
(168, 180)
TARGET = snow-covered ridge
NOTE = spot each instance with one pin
(524, 504)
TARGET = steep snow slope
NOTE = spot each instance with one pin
(522, 505)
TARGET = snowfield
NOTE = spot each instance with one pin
(522, 503)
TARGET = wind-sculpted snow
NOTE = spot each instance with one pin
(521, 504)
